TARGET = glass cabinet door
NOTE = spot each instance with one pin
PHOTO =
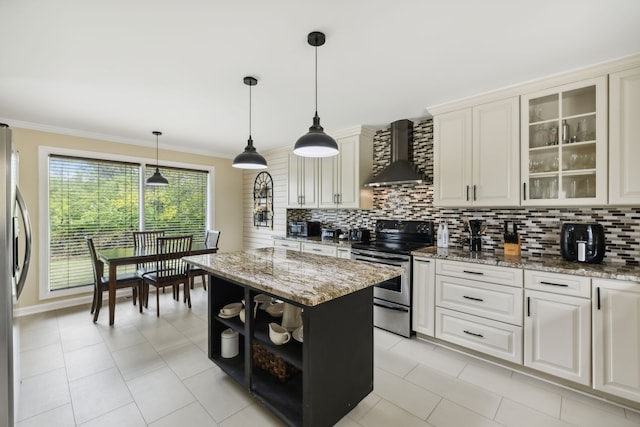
(564, 144)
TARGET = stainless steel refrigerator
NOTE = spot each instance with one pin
(14, 266)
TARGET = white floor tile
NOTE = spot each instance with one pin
(187, 360)
(42, 393)
(63, 416)
(457, 391)
(392, 362)
(445, 360)
(162, 335)
(88, 360)
(592, 415)
(385, 414)
(34, 338)
(448, 414)
(78, 336)
(253, 415)
(633, 416)
(119, 337)
(98, 394)
(218, 393)
(47, 320)
(138, 360)
(125, 416)
(192, 415)
(407, 396)
(514, 414)
(385, 339)
(498, 380)
(159, 393)
(41, 360)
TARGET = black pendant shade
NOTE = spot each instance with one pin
(316, 143)
(249, 158)
(157, 179)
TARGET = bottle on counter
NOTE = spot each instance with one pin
(445, 236)
(440, 237)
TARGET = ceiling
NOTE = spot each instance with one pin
(119, 69)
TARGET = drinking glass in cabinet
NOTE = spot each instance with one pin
(578, 158)
(543, 161)
(579, 186)
(543, 108)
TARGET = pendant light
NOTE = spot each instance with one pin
(249, 158)
(157, 179)
(316, 143)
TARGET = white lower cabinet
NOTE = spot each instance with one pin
(480, 307)
(557, 325)
(423, 308)
(343, 253)
(616, 338)
(318, 249)
(286, 244)
(498, 339)
(557, 335)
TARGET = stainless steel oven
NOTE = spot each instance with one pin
(394, 241)
(391, 298)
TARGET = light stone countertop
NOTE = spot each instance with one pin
(303, 278)
(554, 264)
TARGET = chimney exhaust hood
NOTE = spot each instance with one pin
(400, 171)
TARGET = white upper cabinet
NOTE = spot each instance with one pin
(476, 155)
(302, 185)
(564, 144)
(624, 137)
(341, 178)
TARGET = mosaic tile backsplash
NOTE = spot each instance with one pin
(539, 227)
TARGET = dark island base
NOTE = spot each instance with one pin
(335, 361)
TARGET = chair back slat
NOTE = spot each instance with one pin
(169, 264)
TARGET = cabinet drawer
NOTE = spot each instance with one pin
(496, 302)
(286, 244)
(343, 253)
(557, 283)
(485, 273)
(498, 339)
(313, 248)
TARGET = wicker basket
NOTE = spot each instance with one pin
(273, 364)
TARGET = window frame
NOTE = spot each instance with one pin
(43, 199)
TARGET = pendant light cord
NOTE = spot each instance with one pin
(157, 151)
(316, 80)
(249, 111)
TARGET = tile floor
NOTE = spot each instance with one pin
(155, 371)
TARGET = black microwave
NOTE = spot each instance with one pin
(304, 229)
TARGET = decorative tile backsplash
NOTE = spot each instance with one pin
(539, 227)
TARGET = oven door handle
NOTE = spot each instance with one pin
(382, 261)
(391, 307)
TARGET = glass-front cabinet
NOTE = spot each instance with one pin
(564, 144)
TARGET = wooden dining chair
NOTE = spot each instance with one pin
(101, 283)
(211, 239)
(169, 269)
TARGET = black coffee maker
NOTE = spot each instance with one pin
(475, 228)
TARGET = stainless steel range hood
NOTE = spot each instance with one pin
(400, 171)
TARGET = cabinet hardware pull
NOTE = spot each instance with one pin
(467, 193)
(338, 198)
(474, 193)
(528, 306)
(473, 334)
(473, 272)
(472, 298)
(554, 284)
(598, 296)
(524, 191)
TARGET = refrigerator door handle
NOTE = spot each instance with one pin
(27, 249)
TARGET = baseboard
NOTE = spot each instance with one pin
(56, 305)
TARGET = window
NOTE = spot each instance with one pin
(101, 198)
(87, 198)
(181, 206)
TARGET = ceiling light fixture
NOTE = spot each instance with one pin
(316, 143)
(157, 179)
(249, 158)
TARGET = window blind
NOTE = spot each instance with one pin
(181, 206)
(88, 197)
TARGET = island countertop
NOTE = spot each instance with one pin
(303, 278)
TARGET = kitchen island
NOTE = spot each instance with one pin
(319, 379)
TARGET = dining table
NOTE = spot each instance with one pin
(116, 257)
